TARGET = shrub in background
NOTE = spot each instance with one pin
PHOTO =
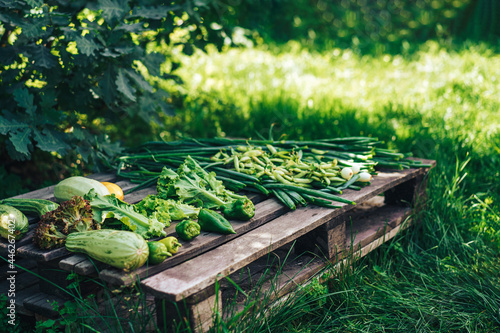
(70, 71)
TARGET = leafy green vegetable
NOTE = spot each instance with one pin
(108, 206)
(74, 215)
(166, 209)
(193, 185)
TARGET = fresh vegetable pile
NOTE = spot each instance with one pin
(93, 219)
(196, 183)
(295, 172)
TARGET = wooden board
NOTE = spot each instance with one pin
(200, 272)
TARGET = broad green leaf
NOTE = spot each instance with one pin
(23, 98)
(141, 82)
(86, 45)
(42, 57)
(48, 99)
(154, 13)
(10, 125)
(21, 140)
(49, 140)
(14, 154)
(9, 54)
(34, 3)
(113, 9)
(134, 27)
(125, 49)
(84, 151)
(107, 86)
(79, 133)
(33, 28)
(153, 62)
(123, 85)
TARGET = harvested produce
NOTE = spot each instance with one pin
(214, 222)
(116, 214)
(118, 248)
(31, 206)
(241, 209)
(158, 252)
(114, 189)
(166, 209)
(193, 185)
(13, 223)
(252, 165)
(187, 229)
(74, 215)
(171, 243)
(77, 185)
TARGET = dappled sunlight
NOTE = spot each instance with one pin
(431, 90)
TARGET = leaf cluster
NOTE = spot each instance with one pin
(112, 213)
(71, 69)
(192, 185)
(74, 215)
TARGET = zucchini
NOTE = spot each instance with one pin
(77, 185)
(38, 207)
(13, 223)
(118, 248)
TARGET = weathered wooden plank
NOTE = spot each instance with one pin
(365, 230)
(22, 281)
(172, 316)
(265, 212)
(33, 252)
(41, 304)
(299, 268)
(195, 274)
(68, 264)
(23, 295)
(24, 264)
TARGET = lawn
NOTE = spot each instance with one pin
(439, 103)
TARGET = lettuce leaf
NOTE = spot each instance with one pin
(108, 206)
(166, 209)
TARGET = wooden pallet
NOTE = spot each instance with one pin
(187, 280)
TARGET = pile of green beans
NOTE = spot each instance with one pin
(295, 172)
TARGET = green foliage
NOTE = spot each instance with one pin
(384, 26)
(68, 68)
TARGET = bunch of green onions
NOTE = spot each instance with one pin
(295, 172)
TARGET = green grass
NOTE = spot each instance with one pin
(442, 104)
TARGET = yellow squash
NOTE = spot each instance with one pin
(114, 189)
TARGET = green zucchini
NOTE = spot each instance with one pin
(13, 223)
(38, 207)
(118, 248)
(77, 185)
